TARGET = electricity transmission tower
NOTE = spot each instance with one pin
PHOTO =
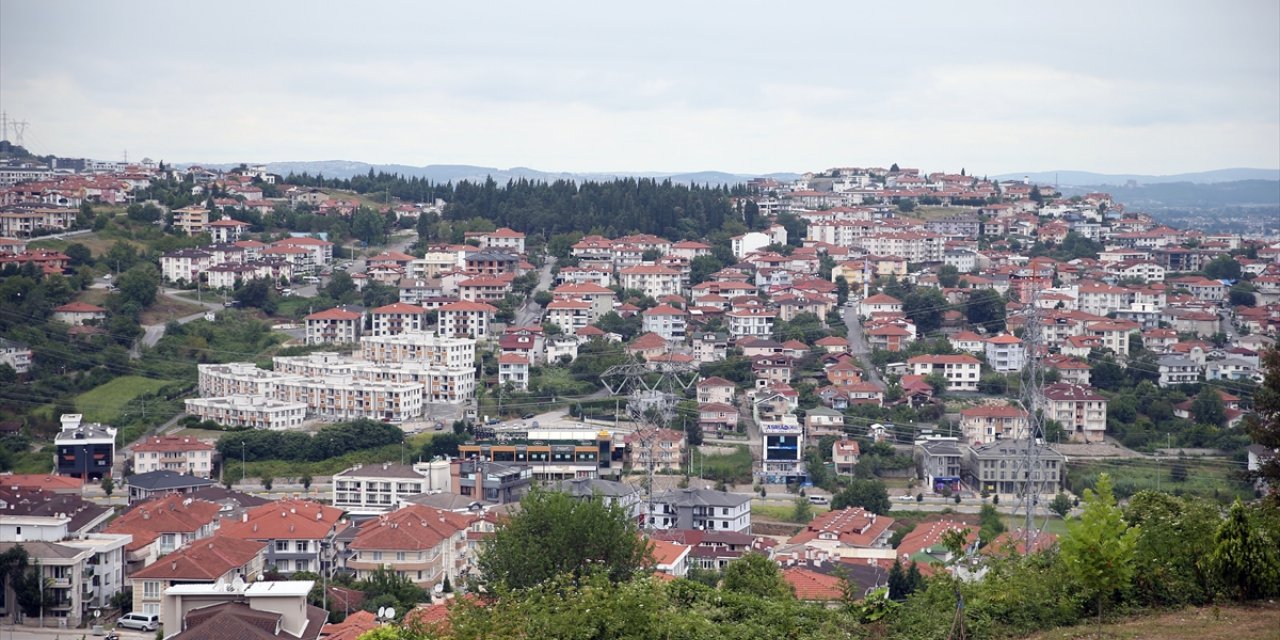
(1029, 468)
(652, 390)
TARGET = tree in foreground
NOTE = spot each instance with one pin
(1098, 549)
(1244, 558)
(555, 533)
(754, 574)
(1264, 422)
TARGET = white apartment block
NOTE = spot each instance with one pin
(666, 321)
(961, 372)
(505, 239)
(570, 315)
(346, 398)
(334, 326)
(185, 265)
(180, 454)
(426, 348)
(751, 322)
(257, 412)
(193, 220)
(466, 319)
(915, 246)
(398, 318)
(653, 280)
(377, 488)
(513, 370)
(442, 384)
(238, 379)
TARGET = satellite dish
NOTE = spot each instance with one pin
(391, 612)
(439, 588)
(382, 612)
(97, 613)
(237, 584)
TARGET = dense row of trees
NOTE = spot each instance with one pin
(330, 441)
(613, 208)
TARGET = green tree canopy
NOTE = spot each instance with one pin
(1244, 557)
(754, 574)
(868, 494)
(1098, 549)
(555, 533)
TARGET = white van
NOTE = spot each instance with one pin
(139, 621)
(819, 500)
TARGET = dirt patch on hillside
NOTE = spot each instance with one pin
(1255, 622)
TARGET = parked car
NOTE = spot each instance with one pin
(139, 621)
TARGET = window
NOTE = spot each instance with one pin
(377, 556)
(151, 589)
(302, 546)
(302, 565)
(399, 556)
(282, 546)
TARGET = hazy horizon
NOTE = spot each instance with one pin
(1152, 88)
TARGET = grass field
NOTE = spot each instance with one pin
(97, 244)
(1258, 622)
(104, 403)
(1206, 478)
(168, 308)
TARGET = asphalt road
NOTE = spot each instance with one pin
(858, 345)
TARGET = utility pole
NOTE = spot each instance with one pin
(1032, 402)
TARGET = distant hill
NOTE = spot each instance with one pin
(459, 172)
(1088, 179)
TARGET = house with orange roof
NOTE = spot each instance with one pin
(182, 454)
(79, 313)
(844, 532)
(503, 238)
(654, 281)
(355, 625)
(51, 483)
(299, 533)
(466, 319)
(648, 345)
(1005, 353)
(667, 321)
(879, 303)
(162, 525)
(833, 344)
(513, 369)
(716, 390)
(421, 543)
(228, 230)
(988, 423)
(320, 252)
(334, 326)
(397, 318)
(924, 544)
(209, 560)
(844, 455)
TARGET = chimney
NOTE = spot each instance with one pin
(244, 517)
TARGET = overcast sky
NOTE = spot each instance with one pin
(995, 87)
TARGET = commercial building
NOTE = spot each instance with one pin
(85, 450)
(554, 454)
(1000, 467)
(782, 443)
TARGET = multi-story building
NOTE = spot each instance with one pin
(420, 543)
(319, 252)
(664, 448)
(246, 609)
(751, 322)
(1177, 370)
(216, 559)
(16, 355)
(496, 482)
(485, 288)
(1080, 410)
(491, 262)
(601, 298)
(960, 371)
(163, 525)
(395, 319)
(988, 423)
(238, 379)
(569, 314)
(377, 488)
(554, 454)
(298, 533)
(85, 450)
(701, 509)
(424, 348)
(228, 230)
(653, 280)
(182, 454)
(782, 446)
(1005, 353)
(513, 370)
(192, 220)
(466, 320)
(716, 389)
(334, 326)
(505, 239)
(939, 463)
(185, 265)
(666, 321)
(348, 398)
(1000, 467)
(256, 412)
(915, 246)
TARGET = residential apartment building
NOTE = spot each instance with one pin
(16, 355)
(569, 314)
(424, 348)
(1177, 370)
(237, 379)
(960, 371)
(192, 220)
(664, 448)
(653, 280)
(334, 326)
(666, 321)
(257, 412)
(988, 423)
(1005, 353)
(347, 398)
(750, 322)
(377, 488)
(422, 544)
(716, 390)
(216, 559)
(182, 454)
(1080, 410)
(701, 509)
(298, 533)
(939, 463)
(397, 318)
(513, 370)
(162, 525)
(466, 320)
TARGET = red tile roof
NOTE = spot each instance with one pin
(289, 519)
(400, 307)
(78, 307)
(172, 443)
(203, 560)
(410, 528)
(333, 314)
(813, 586)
